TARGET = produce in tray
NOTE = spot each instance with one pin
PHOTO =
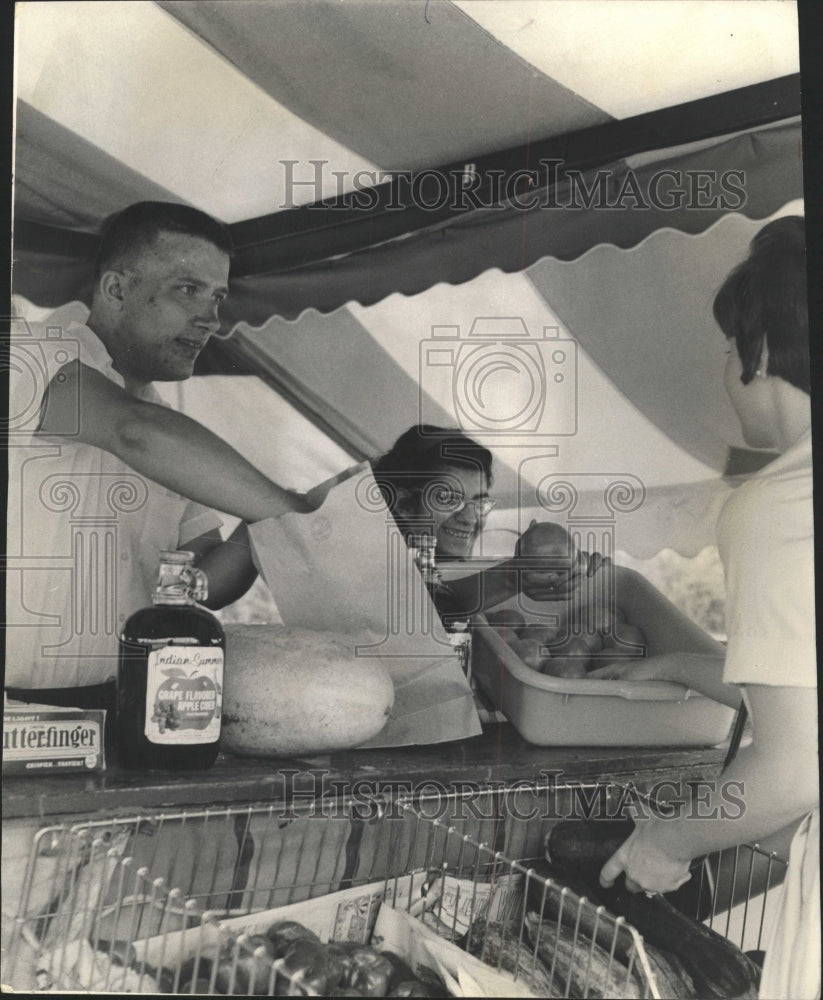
(542, 649)
(717, 967)
(562, 636)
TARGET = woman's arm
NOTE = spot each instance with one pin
(664, 625)
(769, 784)
(678, 649)
(700, 672)
(497, 584)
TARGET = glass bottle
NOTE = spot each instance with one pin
(170, 675)
(461, 641)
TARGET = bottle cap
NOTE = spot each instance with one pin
(179, 581)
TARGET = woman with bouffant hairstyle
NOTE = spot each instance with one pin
(766, 542)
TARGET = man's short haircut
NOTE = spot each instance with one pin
(136, 228)
(763, 300)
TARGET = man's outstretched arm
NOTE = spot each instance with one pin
(161, 444)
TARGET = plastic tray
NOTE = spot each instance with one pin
(555, 711)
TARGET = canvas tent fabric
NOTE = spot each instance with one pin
(209, 103)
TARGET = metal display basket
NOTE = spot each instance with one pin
(168, 902)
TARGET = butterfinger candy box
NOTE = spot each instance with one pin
(42, 739)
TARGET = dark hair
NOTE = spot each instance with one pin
(137, 227)
(420, 453)
(763, 300)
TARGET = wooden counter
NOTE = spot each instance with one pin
(497, 757)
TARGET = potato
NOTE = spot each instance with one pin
(599, 618)
(565, 666)
(628, 642)
(546, 634)
(577, 646)
(631, 633)
(530, 652)
(593, 641)
(506, 618)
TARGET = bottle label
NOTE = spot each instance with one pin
(184, 695)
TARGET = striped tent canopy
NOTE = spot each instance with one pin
(510, 217)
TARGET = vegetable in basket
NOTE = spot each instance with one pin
(499, 947)
(253, 969)
(284, 932)
(317, 967)
(335, 969)
(571, 901)
(370, 972)
(717, 968)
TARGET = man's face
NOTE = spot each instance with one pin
(171, 296)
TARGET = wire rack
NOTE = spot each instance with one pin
(166, 902)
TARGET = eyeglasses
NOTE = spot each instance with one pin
(449, 501)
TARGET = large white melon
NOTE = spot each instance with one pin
(289, 691)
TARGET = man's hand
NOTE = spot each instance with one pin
(647, 867)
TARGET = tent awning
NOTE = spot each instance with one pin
(393, 171)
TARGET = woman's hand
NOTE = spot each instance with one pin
(654, 668)
(558, 587)
(699, 672)
(595, 562)
(648, 868)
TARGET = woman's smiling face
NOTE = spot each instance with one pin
(455, 521)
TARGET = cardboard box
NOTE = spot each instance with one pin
(43, 739)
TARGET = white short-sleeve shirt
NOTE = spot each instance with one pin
(84, 529)
(766, 542)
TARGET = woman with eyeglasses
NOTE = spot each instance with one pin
(436, 482)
